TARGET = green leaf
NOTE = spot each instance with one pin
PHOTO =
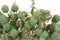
(14, 33)
(3, 19)
(6, 27)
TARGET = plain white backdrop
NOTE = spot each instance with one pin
(52, 5)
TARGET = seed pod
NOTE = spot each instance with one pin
(18, 23)
(42, 25)
(47, 14)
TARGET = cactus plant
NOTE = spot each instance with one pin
(18, 25)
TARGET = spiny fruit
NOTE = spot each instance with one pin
(13, 33)
(5, 8)
(56, 18)
(14, 7)
(38, 32)
(56, 36)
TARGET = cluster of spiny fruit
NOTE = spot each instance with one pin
(18, 25)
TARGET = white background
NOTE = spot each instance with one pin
(52, 5)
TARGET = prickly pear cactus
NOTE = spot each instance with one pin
(18, 25)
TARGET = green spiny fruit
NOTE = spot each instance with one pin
(44, 34)
(36, 14)
(22, 14)
(57, 28)
(6, 27)
(13, 17)
(33, 22)
(38, 32)
(52, 26)
(13, 33)
(48, 38)
(5, 8)
(55, 36)
(35, 38)
(23, 29)
(3, 19)
(41, 11)
(56, 18)
(27, 26)
(14, 7)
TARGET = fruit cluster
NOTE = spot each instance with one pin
(18, 25)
